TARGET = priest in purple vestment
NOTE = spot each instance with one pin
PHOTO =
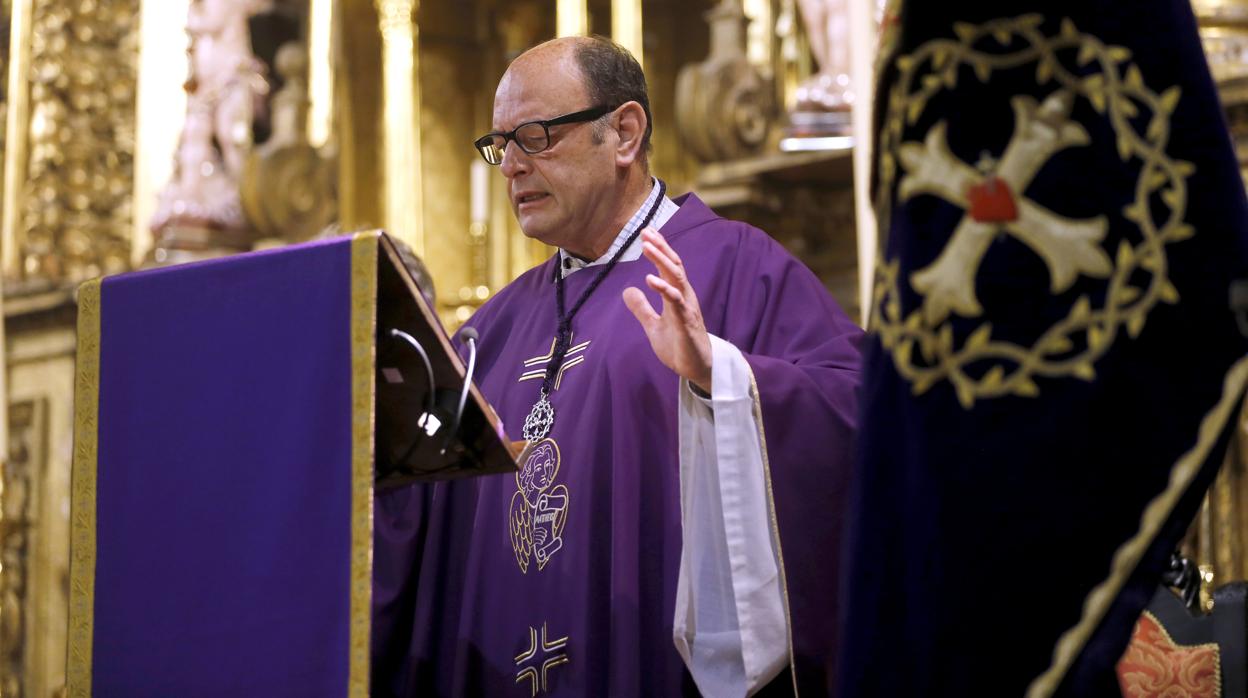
(688, 391)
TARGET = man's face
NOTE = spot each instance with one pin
(560, 195)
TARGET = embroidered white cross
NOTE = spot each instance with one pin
(993, 202)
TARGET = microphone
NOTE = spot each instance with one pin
(429, 395)
(424, 358)
(469, 335)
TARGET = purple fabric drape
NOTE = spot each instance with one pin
(224, 478)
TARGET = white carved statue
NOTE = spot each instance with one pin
(201, 192)
(224, 91)
(224, 72)
(827, 27)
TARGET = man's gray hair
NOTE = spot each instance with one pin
(612, 77)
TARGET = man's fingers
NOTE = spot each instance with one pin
(652, 236)
(656, 238)
(670, 293)
(640, 307)
(674, 267)
(670, 270)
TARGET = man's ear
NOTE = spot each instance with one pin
(631, 126)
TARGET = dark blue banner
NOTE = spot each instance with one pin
(1054, 354)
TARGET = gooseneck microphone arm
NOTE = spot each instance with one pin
(469, 335)
(428, 375)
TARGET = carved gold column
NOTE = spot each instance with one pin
(404, 201)
(161, 110)
(14, 521)
(67, 215)
(1224, 33)
(16, 125)
(1217, 539)
(456, 199)
(571, 18)
(626, 26)
(39, 357)
(760, 34)
(673, 45)
(15, 525)
(358, 114)
(67, 207)
(862, 46)
(320, 71)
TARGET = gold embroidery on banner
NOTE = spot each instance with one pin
(83, 492)
(539, 508)
(775, 523)
(1128, 556)
(994, 201)
(537, 364)
(922, 343)
(540, 683)
(363, 333)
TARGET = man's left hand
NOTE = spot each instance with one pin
(678, 336)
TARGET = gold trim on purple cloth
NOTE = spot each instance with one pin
(363, 333)
(775, 522)
(1128, 556)
(82, 537)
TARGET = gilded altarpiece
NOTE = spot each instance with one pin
(68, 207)
(73, 198)
(66, 217)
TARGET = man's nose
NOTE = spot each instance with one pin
(515, 160)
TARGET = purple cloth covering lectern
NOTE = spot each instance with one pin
(223, 475)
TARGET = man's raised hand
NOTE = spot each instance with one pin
(678, 335)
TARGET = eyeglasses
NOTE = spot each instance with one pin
(532, 136)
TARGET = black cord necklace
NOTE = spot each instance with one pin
(542, 417)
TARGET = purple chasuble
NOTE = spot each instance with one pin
(562, 579)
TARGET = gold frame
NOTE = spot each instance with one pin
(363, 399)
(82, 494)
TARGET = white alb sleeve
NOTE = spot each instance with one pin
(730, 626)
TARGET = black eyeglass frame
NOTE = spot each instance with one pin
(482, 143)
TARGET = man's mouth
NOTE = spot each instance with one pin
(530, 197)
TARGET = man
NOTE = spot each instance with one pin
(656, 541)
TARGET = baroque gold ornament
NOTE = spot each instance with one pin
(75, 205)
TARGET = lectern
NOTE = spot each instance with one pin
(233, 419)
